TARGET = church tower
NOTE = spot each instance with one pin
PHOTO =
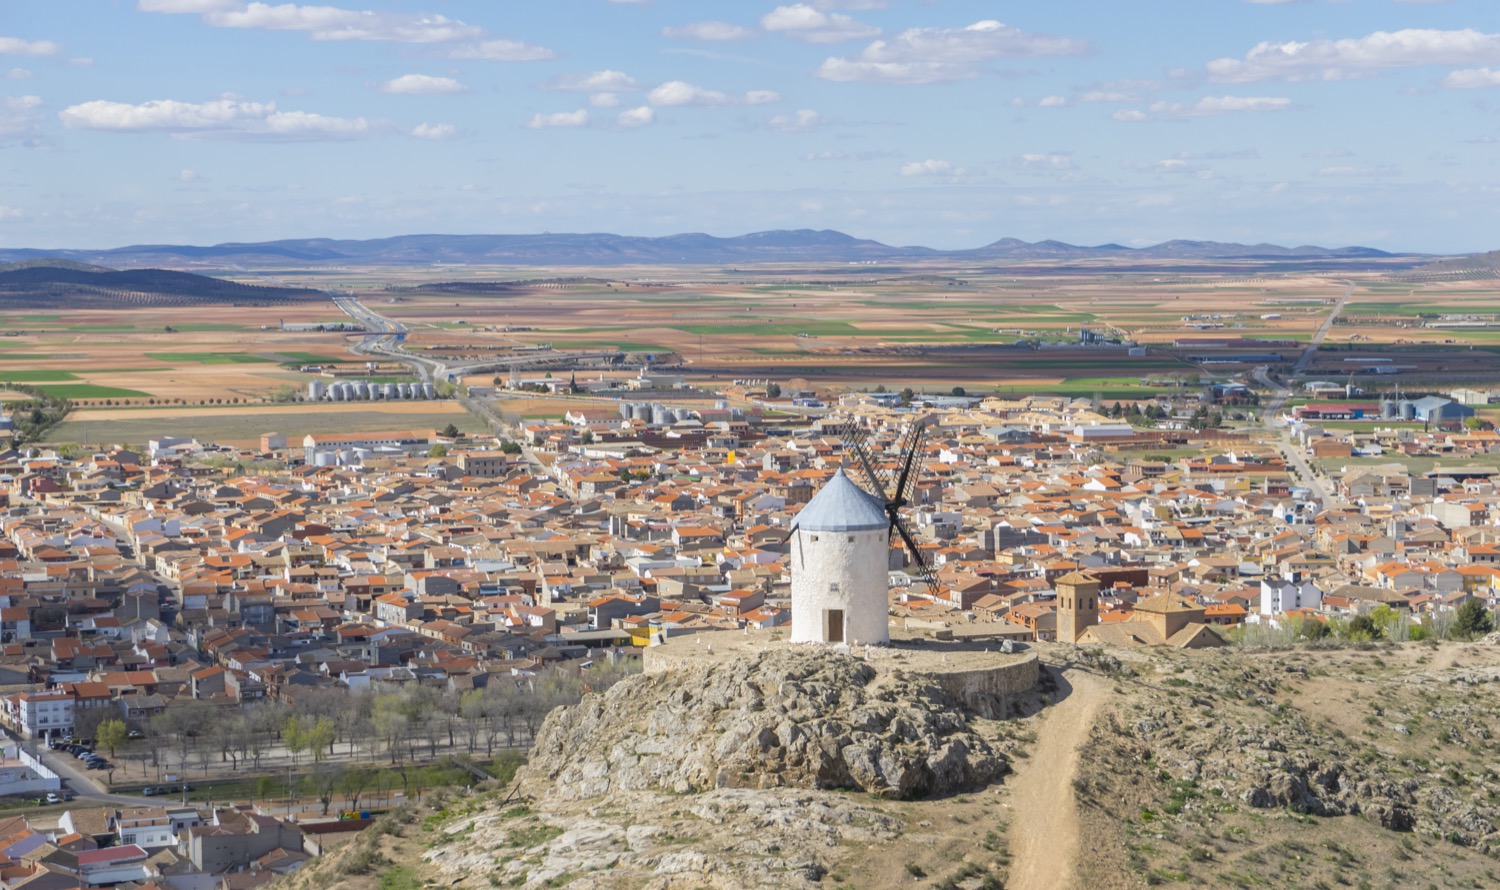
(1077, 605)
(840, 553)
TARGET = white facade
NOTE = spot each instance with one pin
(44, 714)
(1278, 595)
(840, 586)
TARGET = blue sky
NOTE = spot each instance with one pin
(937, 122)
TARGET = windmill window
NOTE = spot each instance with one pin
(814, 538)
(851, 539)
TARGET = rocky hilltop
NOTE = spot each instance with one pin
(782, 719)
(1367, 766)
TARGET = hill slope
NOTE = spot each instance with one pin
(1307, 768)
(48, 284)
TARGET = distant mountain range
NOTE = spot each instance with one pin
(782, 246)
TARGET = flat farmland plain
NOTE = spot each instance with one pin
(987, 328)
(166, 354)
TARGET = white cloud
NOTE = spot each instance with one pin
(423, 85)
(15, 46)
(188, 6)
(931, 168)
(1108, 96)
(1472, 78)
(333, 23)
(1325, 59)
(1052, 102)
(813, 25)
(682, 93)
(1176, 166)
(21, 120)
(803, 120)
(163, 114)
(861, 71)
(708, 31)
(18, 74)
(678, 92)
(831, 155)
(435, 132)
(579, 118)
(304, 126)
(605, 100)
(633, 118)
(501, 51)
(1044, 161)
(1209, 106)
(9, 212)
(187, 175)
(464, 41)
(227, 118)
(1381, 170)
(941, 55)
(606, 81)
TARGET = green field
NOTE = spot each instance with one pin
(310, 358)
(35, 376)
(91, 391)
(622, 345)
(1416, 465)
(773, 329)
(208, 358)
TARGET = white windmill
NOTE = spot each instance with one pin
(840, 552)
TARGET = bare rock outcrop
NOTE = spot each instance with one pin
(783, 718)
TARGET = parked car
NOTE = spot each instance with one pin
(98, 764)
(187, 787)
(135, 734)
(54, 797)
(150, 790)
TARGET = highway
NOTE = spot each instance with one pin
(384, 338)
(1323, 329)
(1280, 392)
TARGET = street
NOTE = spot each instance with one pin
(1281, 392)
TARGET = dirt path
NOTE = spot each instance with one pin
(1044, 831)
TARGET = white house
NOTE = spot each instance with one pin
(42, 714)
(1278, 595)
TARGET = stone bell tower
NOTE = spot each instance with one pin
(1077, 605)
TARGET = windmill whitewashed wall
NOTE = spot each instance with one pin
(840, 546)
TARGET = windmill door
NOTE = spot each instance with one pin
(835, 625)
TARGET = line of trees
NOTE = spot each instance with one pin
(329, 731)
(1469, 621)
(37, 414)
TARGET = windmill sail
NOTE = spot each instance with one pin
(895, 486)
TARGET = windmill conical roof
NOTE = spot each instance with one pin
(842, 506)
